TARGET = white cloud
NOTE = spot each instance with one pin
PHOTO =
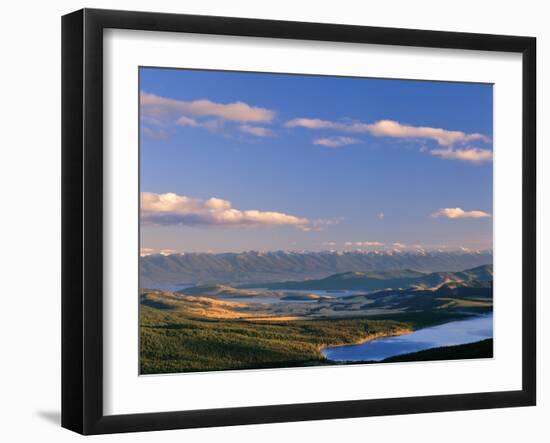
(472, 155)
(380, 216)
(258, 131)
(205, 114)
(313, 123)
(335, 142)
(155, 106)
(459, 213)
(391, 128)
(320, 224)
(363, 243)
(215, 203)
(173, 209)
(399, 245)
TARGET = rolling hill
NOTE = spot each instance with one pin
(371, 281)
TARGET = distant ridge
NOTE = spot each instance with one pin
(254, 267)
(376, 280)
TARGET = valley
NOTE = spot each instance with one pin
(219, 327)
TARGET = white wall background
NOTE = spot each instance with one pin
(30, 218)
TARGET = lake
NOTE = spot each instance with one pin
(448, 334)
(321, 292)
(286, 292)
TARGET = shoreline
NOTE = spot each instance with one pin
(396, 333)
(399, 332)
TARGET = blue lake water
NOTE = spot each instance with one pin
(268, 300)
(332, 293)
(271, 300)
(448, 334)
(260, 300)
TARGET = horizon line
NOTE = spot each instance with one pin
(167, 252)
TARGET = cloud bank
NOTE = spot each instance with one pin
(394, 129)
(156, 106)
(164, 111)
(173, 209)
(391, 128)
(459, 213)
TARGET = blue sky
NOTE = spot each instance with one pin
(247, 161)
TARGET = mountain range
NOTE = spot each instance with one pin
(161, 271)
(407, 278)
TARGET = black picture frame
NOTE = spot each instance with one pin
(82, 218)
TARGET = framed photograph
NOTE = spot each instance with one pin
(269, 221)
